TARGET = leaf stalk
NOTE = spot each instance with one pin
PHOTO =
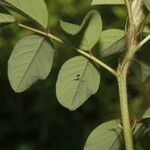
(83, 52)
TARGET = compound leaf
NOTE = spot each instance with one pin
(35, 9)
(30, 61)
(104, 136)
(77, 81)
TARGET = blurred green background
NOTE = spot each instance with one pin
(34, 120)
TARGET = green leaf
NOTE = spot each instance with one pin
(92, 30)
(4, 4)
(146, 30)
(6, 18)
(142, 71)
(140, 126)
(147, 114)
(107, 2)
(69, 27)
(35, 9)
(30, 61)
(77, 81)
(104, 136)
(147, 4)
(141, 133)
(112, 41)
(89, 30)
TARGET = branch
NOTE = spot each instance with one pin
(84, 53)
(142, 43)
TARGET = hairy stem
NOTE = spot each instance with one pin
(142, 43)
(125, 112)
(136, 18)
(83, 52)
(122, 82)
(128, 5)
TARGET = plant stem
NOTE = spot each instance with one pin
(83, 52)
(142, 43)
(136, 17)
(128, 5)
(122, 82)
(125, 112)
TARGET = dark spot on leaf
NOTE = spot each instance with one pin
(78, 75)
(77, 79)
